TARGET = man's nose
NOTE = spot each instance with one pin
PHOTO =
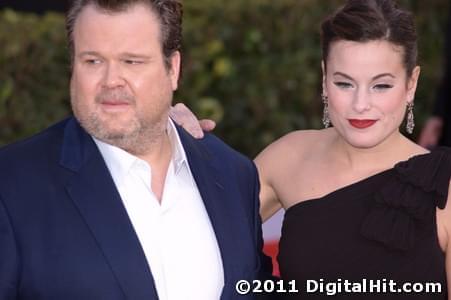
(113, 76)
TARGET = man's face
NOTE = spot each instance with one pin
(121, 89)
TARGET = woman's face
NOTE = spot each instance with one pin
(368, 90)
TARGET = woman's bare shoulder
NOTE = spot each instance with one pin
(291, 150)
(297, 142)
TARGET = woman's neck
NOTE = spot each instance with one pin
(384, 155)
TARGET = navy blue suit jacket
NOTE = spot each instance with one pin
(65, 234)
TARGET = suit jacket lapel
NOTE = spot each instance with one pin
(94, 193)
(207, 177)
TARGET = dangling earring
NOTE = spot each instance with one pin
(410, 121)
(326, 120)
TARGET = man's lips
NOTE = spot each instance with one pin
(114, 103)
(361, 124)
(115, 106)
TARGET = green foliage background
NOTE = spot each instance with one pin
(253, 66)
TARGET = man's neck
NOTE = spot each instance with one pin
(159, 160)
(159, 148)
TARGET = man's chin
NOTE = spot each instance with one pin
(112, 134)
(117, 126)
(116, 134)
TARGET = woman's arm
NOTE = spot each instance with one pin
(184, 117)
(269, 202)
(444, 236)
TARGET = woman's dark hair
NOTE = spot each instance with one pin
(369, 20)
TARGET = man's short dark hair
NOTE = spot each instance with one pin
(169, 13)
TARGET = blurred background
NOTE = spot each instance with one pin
(253, 66)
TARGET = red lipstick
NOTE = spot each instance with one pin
(361, 124)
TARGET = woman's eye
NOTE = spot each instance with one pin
(382, 86)
(343, 85)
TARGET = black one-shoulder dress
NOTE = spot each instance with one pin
(374, 239)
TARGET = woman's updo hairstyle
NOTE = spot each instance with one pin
(370, 20)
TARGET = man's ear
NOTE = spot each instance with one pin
(174, 71)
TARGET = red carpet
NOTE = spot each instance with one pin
(271, 248)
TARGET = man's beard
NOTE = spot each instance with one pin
(136, 136)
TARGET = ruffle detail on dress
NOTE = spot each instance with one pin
(420, 184)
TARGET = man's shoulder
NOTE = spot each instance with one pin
(35, 147)
(212, 150)
(218, 149)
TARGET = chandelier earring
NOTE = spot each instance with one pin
(326, 119)
(410, 118)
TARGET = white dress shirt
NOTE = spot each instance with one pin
(177, 236)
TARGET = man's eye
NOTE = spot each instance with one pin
(343, 85)
(133, 62)
(92, 61)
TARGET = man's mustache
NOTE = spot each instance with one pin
(115, 96)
